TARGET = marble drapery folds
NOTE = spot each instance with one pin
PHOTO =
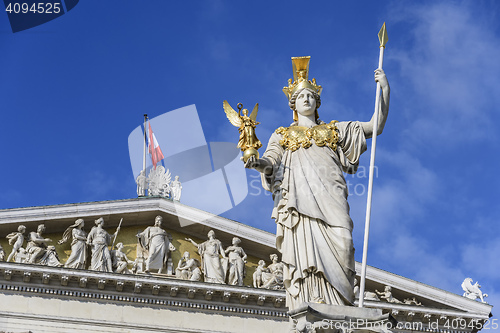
(314, 230)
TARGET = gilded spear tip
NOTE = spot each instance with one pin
(382, 36)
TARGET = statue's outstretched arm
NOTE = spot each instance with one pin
(384, 105)
(192, 242)
(260, 164)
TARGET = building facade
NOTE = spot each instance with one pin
(40, 298)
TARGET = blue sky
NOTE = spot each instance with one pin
(74, 88)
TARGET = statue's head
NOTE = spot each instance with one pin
(300, 66)
(79, 223)
(41, 228)
(236, 241)
(262, 263)
(119, 246)
(21, 229)
(305, 102)
(186, 255)
(176, 177)
(273, 257)
(99, 221)
(158, 221)
(211, 234)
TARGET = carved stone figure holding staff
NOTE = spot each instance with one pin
(302, 166)
(100, 239)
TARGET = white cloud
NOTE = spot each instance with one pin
(481, 259)
(451, 69)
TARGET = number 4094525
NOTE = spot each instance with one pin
(35, 8)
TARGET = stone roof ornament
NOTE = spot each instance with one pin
(473, 291)
(159, 182)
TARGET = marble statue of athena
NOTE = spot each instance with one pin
(302, 166)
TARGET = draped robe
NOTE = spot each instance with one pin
(314, 230)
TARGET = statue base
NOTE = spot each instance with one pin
(326, 318)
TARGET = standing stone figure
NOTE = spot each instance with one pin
(142, 184)
(16, 238)
(2, 253)
(236, 260)
(38, 251)
(78, 255)
(157, 243)
(302, 166)
(99, 239)
(176, 189)
(212, 266)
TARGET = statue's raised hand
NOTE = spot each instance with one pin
(381, 78)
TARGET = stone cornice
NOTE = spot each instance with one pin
(159, 291)
(425, 291)
(141, 290)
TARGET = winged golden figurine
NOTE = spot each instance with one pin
(248, 142)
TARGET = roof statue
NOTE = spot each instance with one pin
(473, 291)
(142, 184)
(176, 189)
(159, 182)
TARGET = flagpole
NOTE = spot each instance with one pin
(382, 35)
(144, 149)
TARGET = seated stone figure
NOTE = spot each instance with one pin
(188, 268)
(21, 255)
(257, 275)
(39, 252)
(2, 253)
(273, 277)
(120, 261)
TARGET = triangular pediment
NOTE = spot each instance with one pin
(184, 221)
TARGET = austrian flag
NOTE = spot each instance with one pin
(154, 148)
